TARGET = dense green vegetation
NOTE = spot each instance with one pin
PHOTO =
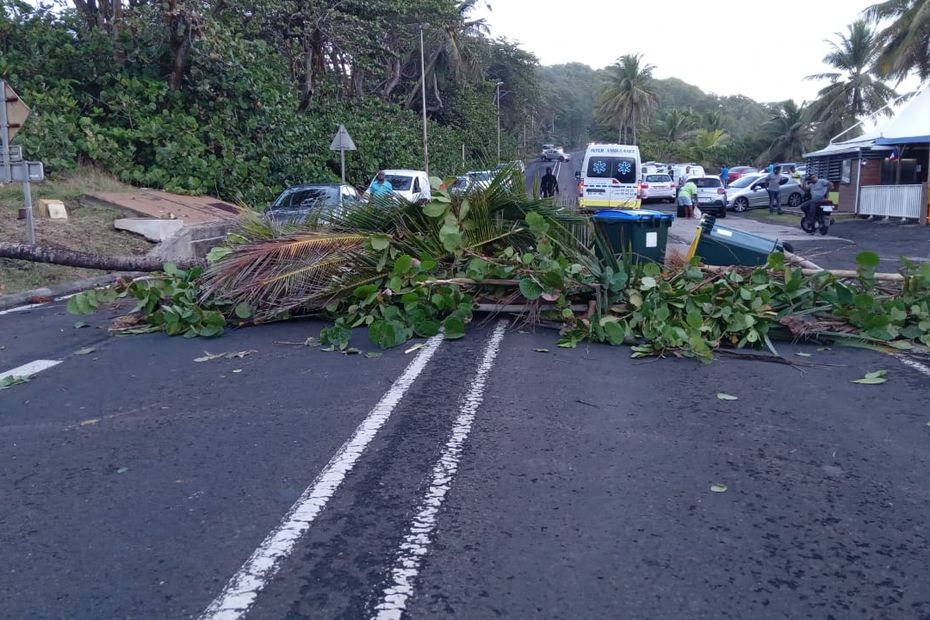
(239, 98)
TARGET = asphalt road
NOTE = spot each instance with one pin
(479, 478)
(565, 174)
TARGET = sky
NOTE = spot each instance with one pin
(758, 49)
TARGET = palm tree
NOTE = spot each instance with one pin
(791, 133)
(905, 42)
(852, 93)
(454, 52)
(629, 97)
(706, 143)
(673, 127)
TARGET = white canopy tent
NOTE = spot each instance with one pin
(909, 126)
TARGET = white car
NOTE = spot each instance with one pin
(711, 195)
(657, 187)
(556, 154)
(411, 185)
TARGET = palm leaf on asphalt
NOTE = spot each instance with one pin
(289, 273)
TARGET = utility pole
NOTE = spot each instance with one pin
(499, 84)
(423, 96)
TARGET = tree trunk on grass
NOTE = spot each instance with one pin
(72, 258)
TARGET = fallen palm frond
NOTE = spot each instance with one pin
(283, 275)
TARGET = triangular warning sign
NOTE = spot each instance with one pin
(342, 141)
(16, 110)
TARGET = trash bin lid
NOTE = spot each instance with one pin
(630, 215)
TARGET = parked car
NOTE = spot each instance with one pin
(712, 198)
(300, 203)
(748, 192)
(657, 187)
(737, 172)
(556, 154)
(412, 185)
(506, 165)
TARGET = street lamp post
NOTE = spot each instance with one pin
(423, 97)
(499, 84)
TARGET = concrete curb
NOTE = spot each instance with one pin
(48, 293)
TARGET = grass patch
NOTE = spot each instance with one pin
(763, 215)
(89, 228)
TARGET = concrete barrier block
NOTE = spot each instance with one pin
(151, 229)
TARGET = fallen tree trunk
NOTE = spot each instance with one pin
(842, 274)
(73, 258)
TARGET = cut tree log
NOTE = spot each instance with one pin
(73, 258)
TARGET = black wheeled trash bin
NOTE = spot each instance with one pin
(640, 232)
(720, 245)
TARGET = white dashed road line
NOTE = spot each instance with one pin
(417, 540)
(30, 369)
(39, 305)
(921, 368)
(243, 588)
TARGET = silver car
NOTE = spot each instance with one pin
(748, 192)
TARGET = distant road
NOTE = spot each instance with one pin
(565, 173)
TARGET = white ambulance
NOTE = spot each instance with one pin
(610, 177)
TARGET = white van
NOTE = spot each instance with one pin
(610, 177)
(412, 185)
(687, 171)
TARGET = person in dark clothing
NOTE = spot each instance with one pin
(549, 185)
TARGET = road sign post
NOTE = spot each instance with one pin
(342, 142)
(13, 114)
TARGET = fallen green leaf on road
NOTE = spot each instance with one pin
(309, 342)
(415, 347)
(803, 354)
(85, 351)
(9, 381)
(541, 350)
(80, 324)
(207, 356)
(872, 378)
(822, 349)
(122, 470)
(90, 422)
(723, 396)
(718, 488)
(373, 355)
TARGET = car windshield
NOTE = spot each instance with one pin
(658, 178)
(745, 181)
(307, 197)
(621, 168)
(399, 183)
(707, 182)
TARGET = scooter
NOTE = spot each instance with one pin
(820, 219)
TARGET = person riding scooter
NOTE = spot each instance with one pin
(815, 190)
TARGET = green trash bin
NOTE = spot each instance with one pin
(720, 245)
(641, 232)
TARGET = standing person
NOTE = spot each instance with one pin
(687, 196)
(794, 174)
(380, 187)
(773, 187)
(724, 175)
(549, 185)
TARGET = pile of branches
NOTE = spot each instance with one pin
(403, 270)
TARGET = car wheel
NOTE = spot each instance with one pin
(794, 199)
(741, 205)
(561, 159)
